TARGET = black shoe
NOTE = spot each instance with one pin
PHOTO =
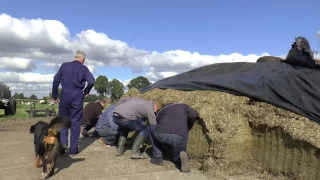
(63, 149)
(185, 165)
(157, 161)
(136, 154)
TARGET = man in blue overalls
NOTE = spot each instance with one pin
(72, 76)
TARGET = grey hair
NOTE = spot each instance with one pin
(80, 54)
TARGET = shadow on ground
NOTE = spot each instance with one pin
(65, 161)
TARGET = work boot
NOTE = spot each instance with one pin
(121, 143)
(136, 154)
(185, 165)
(157, 161)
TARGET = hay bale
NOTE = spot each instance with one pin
(233, 133)
(269, 59)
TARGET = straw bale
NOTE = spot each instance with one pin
(239, 135)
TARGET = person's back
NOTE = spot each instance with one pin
(106, 119)
(75, 75)
(174, 118)
(173, 123)
(72, 76)
(137, 108)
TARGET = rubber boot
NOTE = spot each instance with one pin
(121, 143)
(185, 164)
(136, 154)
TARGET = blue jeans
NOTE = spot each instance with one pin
(179, 143)
(125, 126)
(108, 135)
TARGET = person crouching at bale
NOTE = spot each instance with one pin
(106, 128)
(129, 116)
(91, 114)
(173, 123)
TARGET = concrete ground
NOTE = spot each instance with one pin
(93, 162)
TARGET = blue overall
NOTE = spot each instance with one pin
(72, 76)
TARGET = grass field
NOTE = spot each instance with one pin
(21, 111)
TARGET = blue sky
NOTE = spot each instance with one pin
(211, 27)
(205, 26)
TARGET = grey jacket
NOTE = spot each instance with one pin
(137, 108)
(125, 99)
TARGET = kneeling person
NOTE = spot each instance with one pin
(173, 123)
(91, 114)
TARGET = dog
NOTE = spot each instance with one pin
(47, 143)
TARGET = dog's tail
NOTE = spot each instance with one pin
(54, 127)
(57, 123)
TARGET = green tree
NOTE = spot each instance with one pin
(90, 98)
(101, 96)
(101, 85)
(116, 89)
(139, 82)
(33, 97)
(19, 96)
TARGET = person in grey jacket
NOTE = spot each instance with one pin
(106, 128)
(130, 115)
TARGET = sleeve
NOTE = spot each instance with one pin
(97, 109)
(192, 116)
(56, 83)
(90, 80)
(150, 114)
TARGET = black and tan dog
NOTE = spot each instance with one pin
(47, 143)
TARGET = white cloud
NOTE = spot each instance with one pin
(17, 64)
(30, 77)
(23, 42)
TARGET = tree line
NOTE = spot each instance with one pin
(105, 88)
(115, 89)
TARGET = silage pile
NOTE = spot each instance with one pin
(223, 140)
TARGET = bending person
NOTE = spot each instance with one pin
(106, 128)
(173, 123)
(129, 116)
(91, 113)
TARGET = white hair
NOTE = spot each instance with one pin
(80, 54)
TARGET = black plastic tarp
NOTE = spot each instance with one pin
(293, 88)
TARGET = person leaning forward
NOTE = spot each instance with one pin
(90, 115)
(73, 76)
(173, 123)
(130, 115)
(106, 128)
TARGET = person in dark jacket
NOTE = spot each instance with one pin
(91, 113)
(130, 115)
(173, 123)
(73, 76)
(106, 128)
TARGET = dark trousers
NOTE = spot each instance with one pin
(71, 105)
(109, 135)
(125, 126)
(92, 123)
(177, 142)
